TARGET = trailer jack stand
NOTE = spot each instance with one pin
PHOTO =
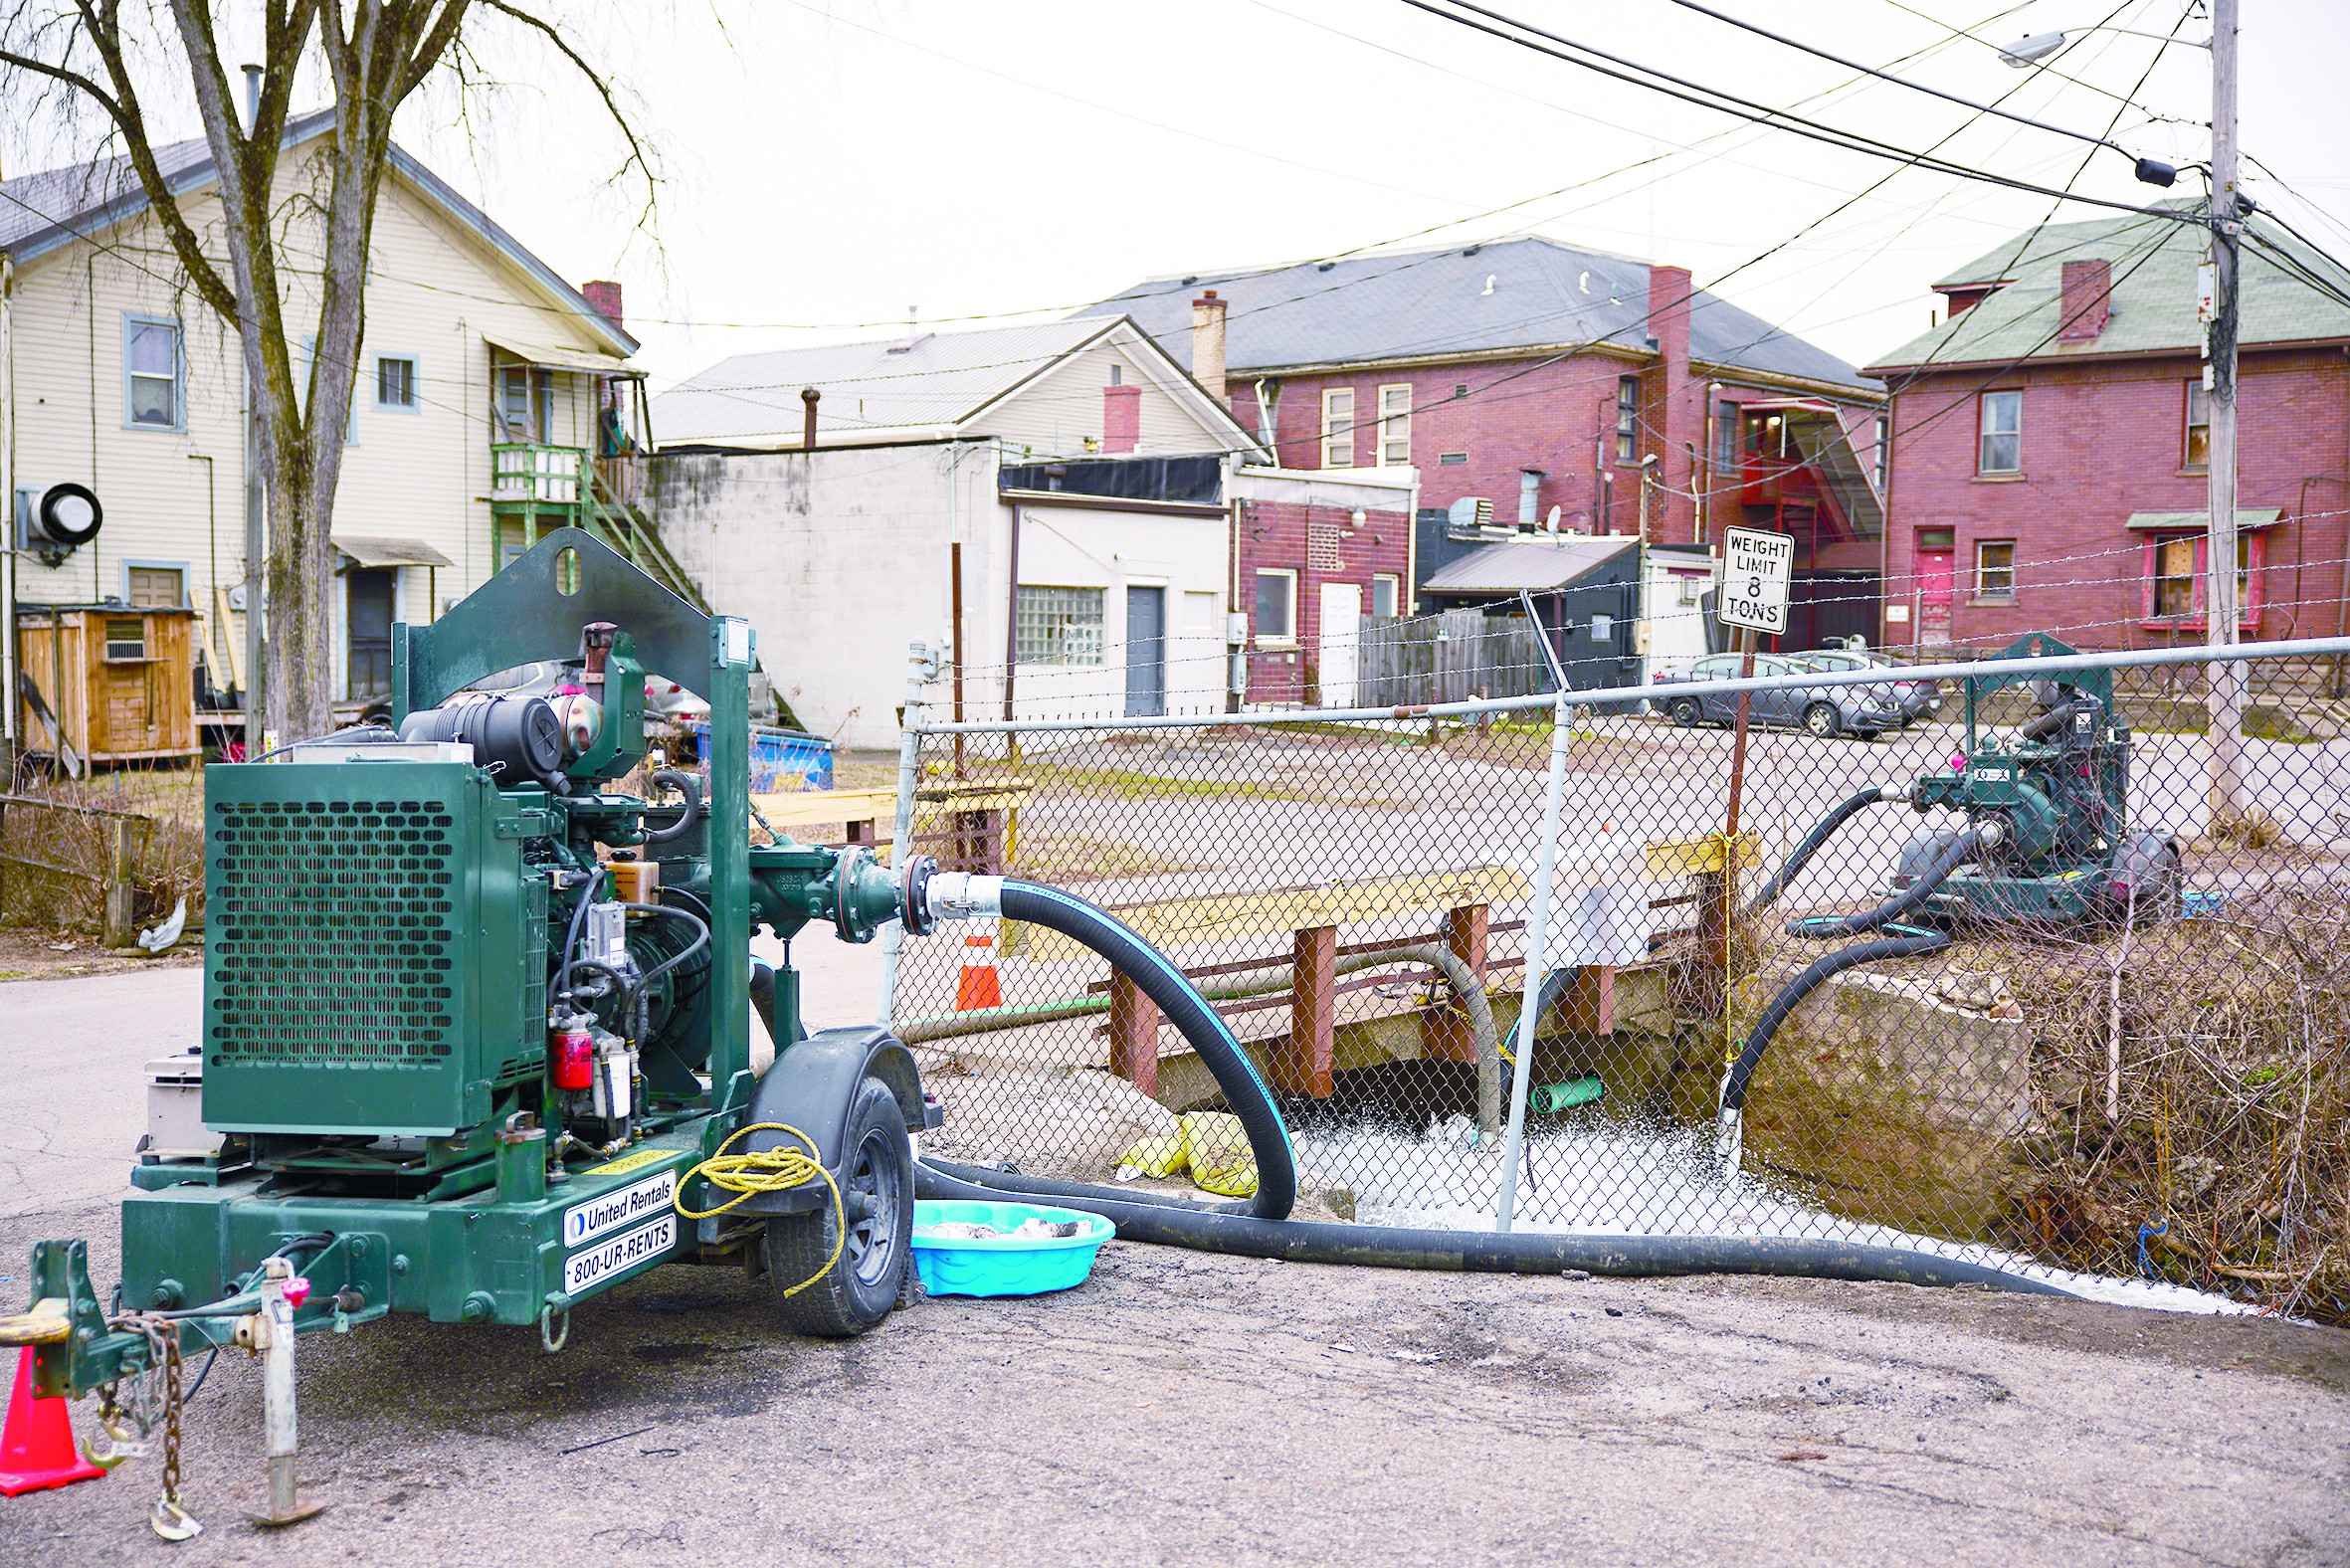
(271, 1330)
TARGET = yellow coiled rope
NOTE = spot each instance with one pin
(773, 1170)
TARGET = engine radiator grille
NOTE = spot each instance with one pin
(337, 929)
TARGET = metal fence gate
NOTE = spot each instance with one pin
(2159, 1101)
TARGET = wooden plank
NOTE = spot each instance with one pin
(1699, 856)
(123, 887)
(1446, 1035)
(1134, 1034)
(1304, 1065)
(801, 807)
(1188, 922)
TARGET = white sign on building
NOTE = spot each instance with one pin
(1756, 570)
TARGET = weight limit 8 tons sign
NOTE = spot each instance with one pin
(1755, 570)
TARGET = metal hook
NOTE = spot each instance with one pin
(547, 1338)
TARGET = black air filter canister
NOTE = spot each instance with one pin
(519, 737)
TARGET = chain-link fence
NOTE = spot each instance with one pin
(2102, 1031)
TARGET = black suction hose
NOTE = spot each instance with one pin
(1844, 812)
(1201, 1025)
(1176, 1224)
(1960, 849)
(688, 785)
(1909, 944)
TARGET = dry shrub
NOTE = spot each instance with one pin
(2200, 1129)
(68, 826)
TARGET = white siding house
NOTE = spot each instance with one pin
(839, 554)
(119, 378)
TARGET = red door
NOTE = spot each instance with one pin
(1936, 577)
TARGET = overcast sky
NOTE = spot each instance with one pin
(829, 163)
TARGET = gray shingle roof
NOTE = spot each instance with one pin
(869, 388)
(1528, 293)
(1536, 565)
(2152, 263)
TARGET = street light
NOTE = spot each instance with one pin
(2032, 50)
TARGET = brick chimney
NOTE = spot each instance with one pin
(1207, 345)
(2088, 300)
(1121, 418)
(604, 295)
(1675, 398)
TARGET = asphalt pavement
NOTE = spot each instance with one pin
(1182, 1409)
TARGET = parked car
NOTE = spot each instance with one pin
(1863, 710)
(1920, 699)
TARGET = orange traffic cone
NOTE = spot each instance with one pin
(978, 988)
(37, 1445)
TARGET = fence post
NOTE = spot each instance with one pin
(121, 888)
(1305, 1068)
(1537, 967)
(922, 665)
(1133, 1034)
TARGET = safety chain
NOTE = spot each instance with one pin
(165, 1365)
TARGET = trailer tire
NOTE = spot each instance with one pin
(876, 1181)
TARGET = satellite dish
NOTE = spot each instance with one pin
(1551, 523)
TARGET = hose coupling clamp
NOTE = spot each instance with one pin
(964, 895)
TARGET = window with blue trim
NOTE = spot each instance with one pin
(153, 397)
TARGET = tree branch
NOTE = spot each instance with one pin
(553, 35)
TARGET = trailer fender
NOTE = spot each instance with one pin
(811, 1086)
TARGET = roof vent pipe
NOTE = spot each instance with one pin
(809, 398)
(252, 97)
(1529, 497)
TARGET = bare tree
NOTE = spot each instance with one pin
(375, 53)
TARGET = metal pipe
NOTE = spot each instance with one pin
(922, 665)
(273, 1326)
(1621, 696)
(809, 398)
(1521, 1082)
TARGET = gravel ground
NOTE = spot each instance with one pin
(1181, 1409)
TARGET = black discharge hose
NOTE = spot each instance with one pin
(1201, 1025)
(1912, 943)
(688, 785)
(1474, 1251)
(1265, 1231)
(1958, 852)
(1844, 812)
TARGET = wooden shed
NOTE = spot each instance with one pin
(128, 693)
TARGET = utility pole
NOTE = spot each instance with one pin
(2225, 701)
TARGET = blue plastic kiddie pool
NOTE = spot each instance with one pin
(1004, 1265)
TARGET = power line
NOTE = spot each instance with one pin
(1914, 86)
(1733, 105)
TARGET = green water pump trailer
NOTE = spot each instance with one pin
(473, 1017)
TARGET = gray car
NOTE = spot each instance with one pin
(1919, 700)
(1862, 710)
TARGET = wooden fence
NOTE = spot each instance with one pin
(1454, 655)
(88, 867)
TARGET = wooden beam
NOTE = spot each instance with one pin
(1304, 1066)
(1134, 1034)
(1186, 922)
(1446, 1035)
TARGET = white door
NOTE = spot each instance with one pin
(1341, 641)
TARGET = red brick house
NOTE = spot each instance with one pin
(1564, 390)
(2047, 465)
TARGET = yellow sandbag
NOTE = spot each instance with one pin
(1220, 1159)
(1157, 1156)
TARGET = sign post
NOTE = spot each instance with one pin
(1757, 569)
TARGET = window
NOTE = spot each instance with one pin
(1452, 456)
(1338, 428)
(1060, 626)
(154, 587)
(1627, 418)
(1461, 390)
(1937, 539)
(1395, 426)
(2174, 580)
(1277, 605)
(2001, 426)
(1882, 458)
(1386, 589)
(2199, 426)
(2176, 569)
(152, 372)
(1726, 437)
(395, 383)
(126, 636)
(1603, 628)
(1995, 568)
(522, 402)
